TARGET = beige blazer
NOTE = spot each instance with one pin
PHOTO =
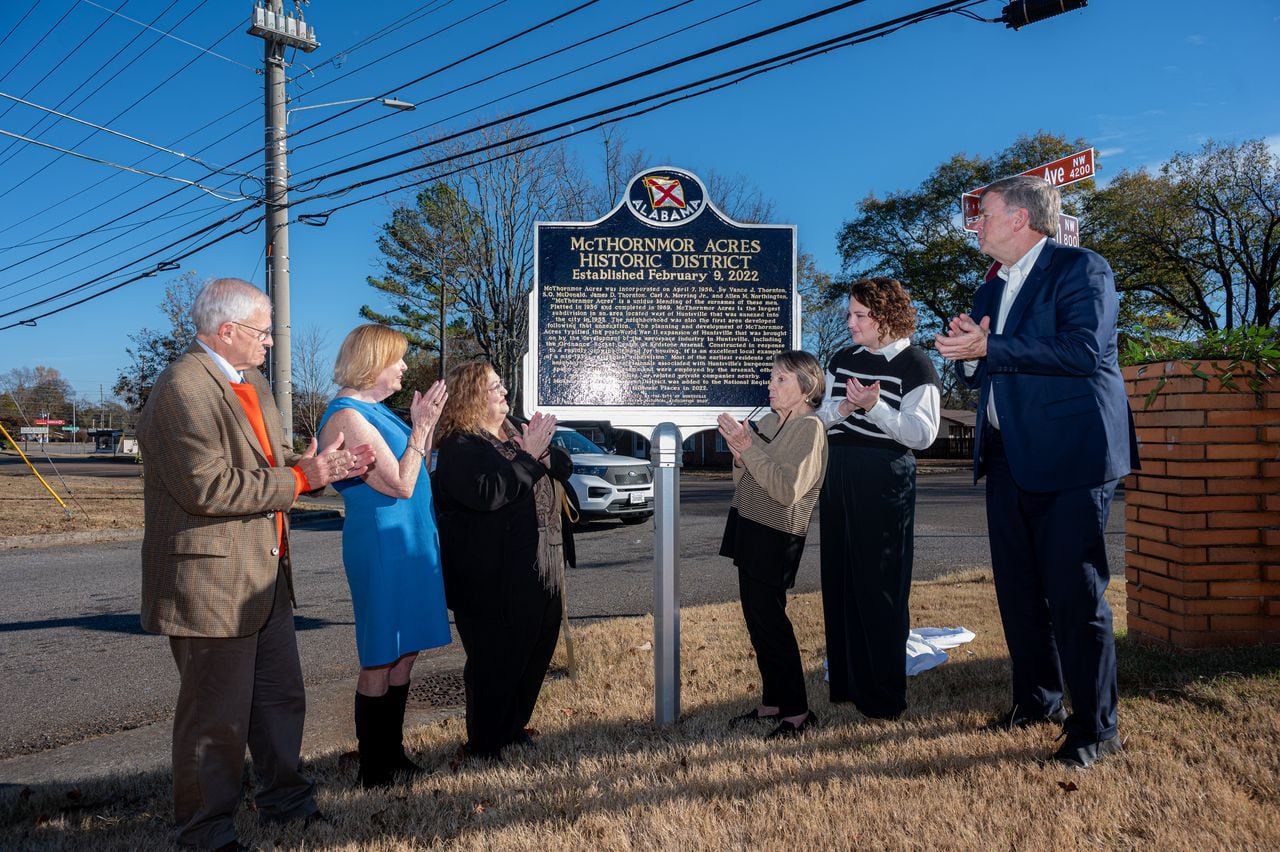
(209, 553)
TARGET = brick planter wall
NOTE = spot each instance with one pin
(1202, 517)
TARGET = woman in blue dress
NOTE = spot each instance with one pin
(389, 542)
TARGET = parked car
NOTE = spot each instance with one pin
(607, 485)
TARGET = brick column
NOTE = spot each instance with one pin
(1202, 516)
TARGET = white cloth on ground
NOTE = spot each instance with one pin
(926, 648)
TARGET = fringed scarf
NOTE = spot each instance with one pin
(546, 501)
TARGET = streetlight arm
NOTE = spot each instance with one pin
(391, 103)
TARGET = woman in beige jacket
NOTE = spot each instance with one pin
(778, 466)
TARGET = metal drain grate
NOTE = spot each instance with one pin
(439, 690)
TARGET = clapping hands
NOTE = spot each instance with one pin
(425, 409)
(737, 435)
(535, 436)
(965, 340)
(862, 396)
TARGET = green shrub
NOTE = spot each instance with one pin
(1251, 353)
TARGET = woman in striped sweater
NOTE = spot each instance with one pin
(882, 403)
(778, 466)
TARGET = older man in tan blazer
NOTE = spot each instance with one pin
(216, 575)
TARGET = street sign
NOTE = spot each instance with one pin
(35, 430)
(46, 422)
(1068, 230)
(1060, 172)
(70, 428)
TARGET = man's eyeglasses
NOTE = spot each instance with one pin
(262, 333)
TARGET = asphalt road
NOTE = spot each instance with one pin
(74, 662)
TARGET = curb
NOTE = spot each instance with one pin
(304, 515)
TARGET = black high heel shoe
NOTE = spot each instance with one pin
(790, 729)
(752, 715)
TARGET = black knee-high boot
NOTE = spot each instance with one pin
(372, 722)
(398, 696)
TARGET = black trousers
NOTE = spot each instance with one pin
(1049, 560)
(868, 511)
(507, 659)
(764, 606)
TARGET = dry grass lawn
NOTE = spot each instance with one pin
(93, 503)
(1201, 768)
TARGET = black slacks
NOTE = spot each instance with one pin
(1049, 561)
(868, 512)
(764, 607)
(507, 659)
(245, 690)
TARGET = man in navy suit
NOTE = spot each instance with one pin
(1054, 435)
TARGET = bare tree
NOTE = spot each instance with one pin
(312, 379)
(1196, 246)
(822, 322)
(470, 235)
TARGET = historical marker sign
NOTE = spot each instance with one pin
(665, 310)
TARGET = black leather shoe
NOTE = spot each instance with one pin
(1081, 754)
(1010, 719)
(787, 729)
(752, 715)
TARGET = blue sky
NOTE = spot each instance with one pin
(1139, 80)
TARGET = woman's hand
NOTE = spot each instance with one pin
(535, 436)
(737, 435)
(425, 409)
(860, 396)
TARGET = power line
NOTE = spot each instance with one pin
(100, 228)
(740, 74)
(117, 133)
(701, 54)
(169, 35)
(13, 29)
(162, 266)
(114, 118)
(33, 47)
(125, 250)
(92, 231)
(100, 161)
(467, 58)
(101, 67)
(530, 87)
(236, 162)
(388, 29)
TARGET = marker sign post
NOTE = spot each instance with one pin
(657, 318)
(1061, 172)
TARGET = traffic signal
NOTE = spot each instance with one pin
(1019, 13)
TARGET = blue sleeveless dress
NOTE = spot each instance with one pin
(391, 551)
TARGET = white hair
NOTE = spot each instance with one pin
(226, 300)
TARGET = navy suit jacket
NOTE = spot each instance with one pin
(1064, 415)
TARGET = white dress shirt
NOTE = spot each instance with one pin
(1013, 276)
(233, 375)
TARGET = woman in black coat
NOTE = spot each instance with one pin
(502, 541)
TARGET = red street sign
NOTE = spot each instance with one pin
(1069, 169)
(40, 422)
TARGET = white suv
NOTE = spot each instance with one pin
(607, 485)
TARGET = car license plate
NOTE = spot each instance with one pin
(637, 497)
